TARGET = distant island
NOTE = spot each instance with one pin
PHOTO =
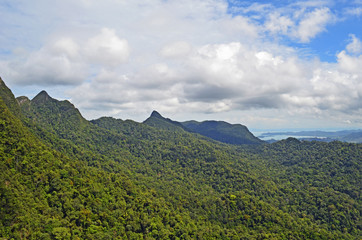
(352, 136)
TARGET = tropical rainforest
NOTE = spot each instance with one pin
(64, 177)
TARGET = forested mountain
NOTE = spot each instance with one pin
(8, 98)
(217, 130)
(156, 120)
(223, 132)
(46, 195)
(63, 177)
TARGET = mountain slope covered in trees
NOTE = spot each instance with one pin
(223, 132)
(218, 130)
(63, 177)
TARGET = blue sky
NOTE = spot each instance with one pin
(326, 43)
(265, 64)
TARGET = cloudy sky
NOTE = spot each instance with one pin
(265, 64)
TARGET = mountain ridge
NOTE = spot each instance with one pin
(221, 131)
(158, 121)
(9, 98)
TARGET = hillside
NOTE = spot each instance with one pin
(110, 178)
(217, 130)
(223, 132)
(46, 195)
(8, 98)
(158, 121)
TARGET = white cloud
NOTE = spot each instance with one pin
(48, 66)
(231, 77)
(357, 11)
(65, 46)
(355, 46)
(198, 56)
(349, 64)
(216, 77)
(66, 61)
(301, 21)
(278, 24)
(107, 49)
(313, 23)
(176, 49)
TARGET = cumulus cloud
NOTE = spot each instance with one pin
(301, 23)
(107, 49)
(278, 24)
(176, 49)
(52, 64)
(66, 61)
(349, 64)
(198, 56)
(65, 46)
(355, 45)
(231, 77)
(313, 23)
(224, 76)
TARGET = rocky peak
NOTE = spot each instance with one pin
(156, 114)
(42, 97)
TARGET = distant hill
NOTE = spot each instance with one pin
(223, 132)
(236, 134)
(353, 136)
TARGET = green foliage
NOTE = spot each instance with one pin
(9, 99)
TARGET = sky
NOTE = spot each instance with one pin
(263, 64)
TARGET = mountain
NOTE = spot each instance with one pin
(217, 130)
(8, 98)
(223, 132)
(63, 177)
(158, 121)
(354, 137)
(44, 194)
(56, 112)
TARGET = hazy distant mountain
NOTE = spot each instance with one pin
(217, 130)
(353, 136)
(223, 132)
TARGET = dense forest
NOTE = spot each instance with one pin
(64, 177)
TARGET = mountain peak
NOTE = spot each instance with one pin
(43, 93)
(42, 97)
(23, 100)
(158, 121)
(156, 114)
